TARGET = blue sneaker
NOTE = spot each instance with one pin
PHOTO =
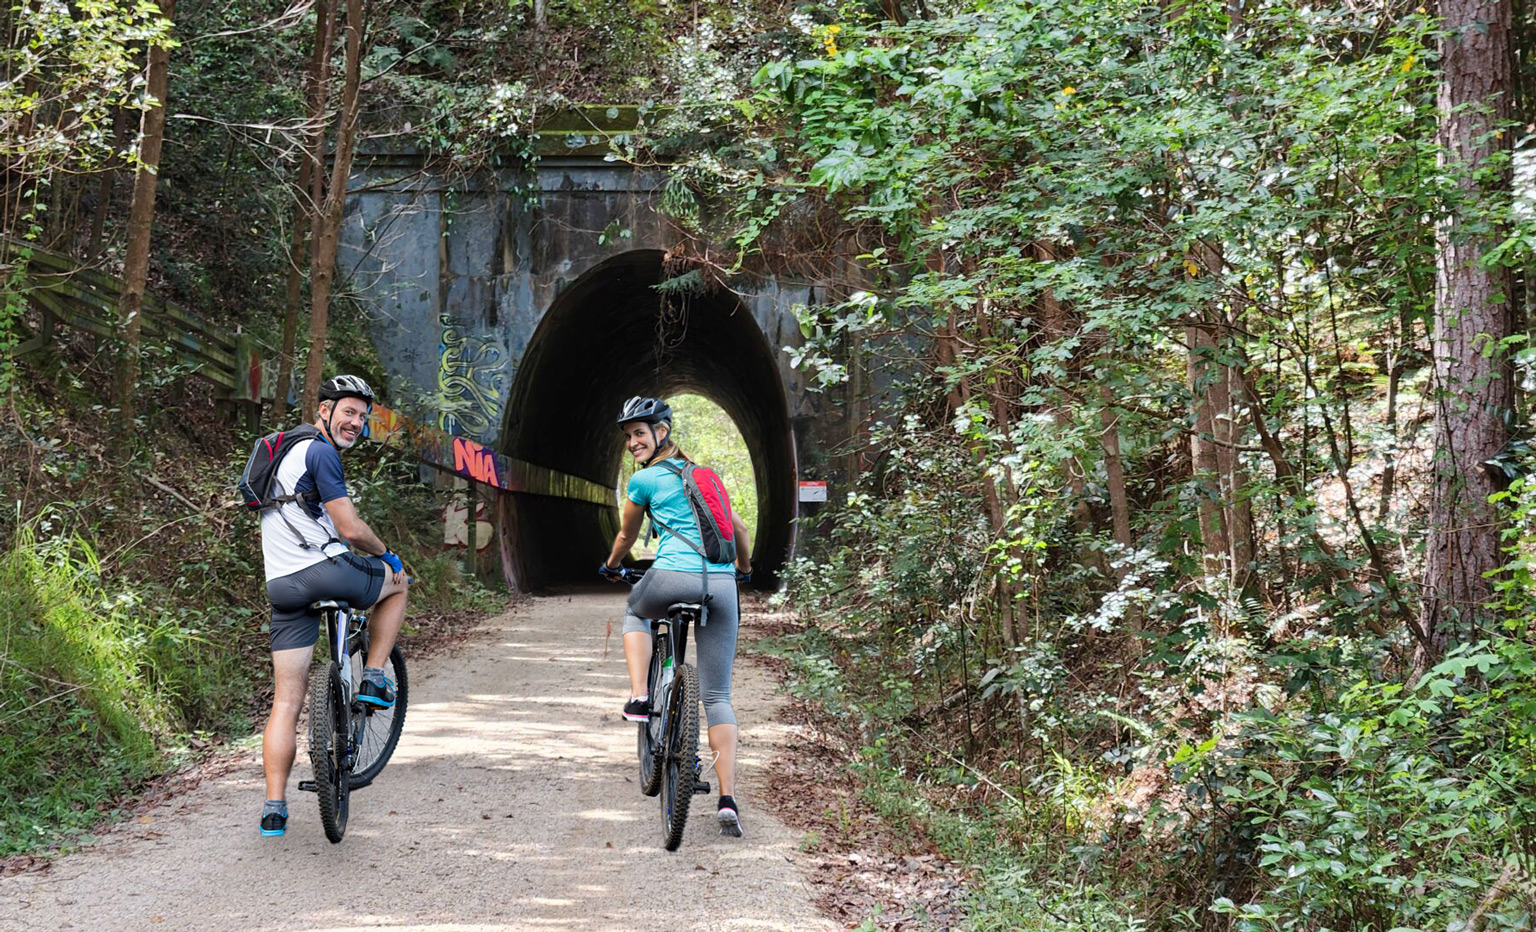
(374, 694)
(274, 823)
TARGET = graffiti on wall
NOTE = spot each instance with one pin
(472, 460)
(472, 377)
(476, 462)
(456, 525)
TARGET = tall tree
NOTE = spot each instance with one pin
(1472, 318)
(141, 218)
(96, 239)
(306, 195)
(329, 215)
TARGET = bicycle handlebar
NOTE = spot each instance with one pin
(630, 576)
(623, 573)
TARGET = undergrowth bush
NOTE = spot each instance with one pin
(1387, 808)
(406, 514)
(94, 679)
(1212, 768)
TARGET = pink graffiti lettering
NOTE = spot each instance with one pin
(476, 462)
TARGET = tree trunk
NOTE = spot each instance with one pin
(141, 219)
(1238, 505)
(96, 242)
(1473, 386)
(1205, 465)
(1114, 469)
(328, 220)
(1055, 325)
(305, 200)
(1396, 343)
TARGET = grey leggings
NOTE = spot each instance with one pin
(714, 644)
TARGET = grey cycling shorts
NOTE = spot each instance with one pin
(346, 577)
(714, 644)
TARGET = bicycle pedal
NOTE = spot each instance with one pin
(700, 788)
(307, 786)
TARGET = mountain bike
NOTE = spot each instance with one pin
(668, 741)
(349, 741)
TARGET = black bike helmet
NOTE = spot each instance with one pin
(649, 410)
(345, 386)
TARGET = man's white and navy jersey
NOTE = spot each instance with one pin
(310, 466)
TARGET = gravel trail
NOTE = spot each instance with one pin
(511, 803)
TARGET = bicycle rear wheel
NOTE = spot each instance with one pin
(682, 758)
(328, 731)
(380, 728)
(649, 732)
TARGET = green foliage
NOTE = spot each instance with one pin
(66, 68)
(93, 678)
(13, 307)
(1389, 808)
(1062, 200)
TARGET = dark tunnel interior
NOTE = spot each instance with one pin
(598, 346)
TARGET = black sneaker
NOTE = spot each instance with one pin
(638, 710)
(730, 821)
(373, 694)
(274, 823)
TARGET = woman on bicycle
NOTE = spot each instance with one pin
(676, 576)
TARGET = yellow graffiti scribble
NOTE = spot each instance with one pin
(471, 380)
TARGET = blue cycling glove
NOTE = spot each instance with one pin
(608, 572)
(392, 561)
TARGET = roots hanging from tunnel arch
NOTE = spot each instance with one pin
(682, 277)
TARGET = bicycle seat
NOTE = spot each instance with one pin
(328, 603)
(677, 607)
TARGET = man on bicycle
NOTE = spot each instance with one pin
(304, 543)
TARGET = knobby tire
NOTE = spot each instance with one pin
(682, 759)
(328, 731)
(650, 731)
(380, 731)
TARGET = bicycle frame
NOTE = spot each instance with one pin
(675, 638)
(336, 627)
(669, 642)
(339, 632)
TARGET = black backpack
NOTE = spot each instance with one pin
(258, 483)
(261, 469)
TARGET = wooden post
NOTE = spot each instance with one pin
(472, 558)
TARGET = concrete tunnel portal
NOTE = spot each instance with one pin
(598, 345)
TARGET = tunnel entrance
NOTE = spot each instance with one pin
(605, 339)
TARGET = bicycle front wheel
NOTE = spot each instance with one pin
(650, 731)
(328, 731)
(378, 730)
(682, 757)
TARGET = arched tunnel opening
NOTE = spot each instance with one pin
(600, 344)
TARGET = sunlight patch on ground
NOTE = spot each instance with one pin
(607, 815)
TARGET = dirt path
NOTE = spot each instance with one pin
(510, 804)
